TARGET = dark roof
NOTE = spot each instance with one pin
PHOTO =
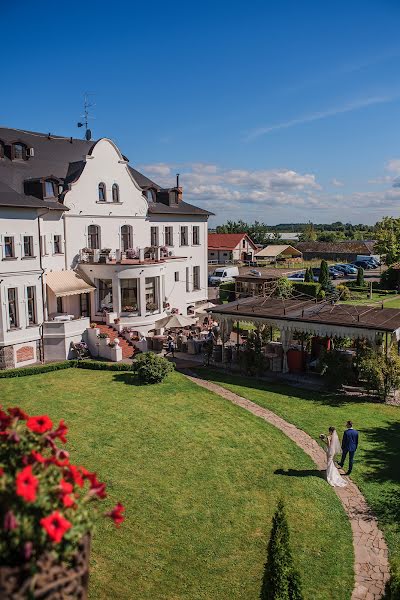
(309, 311)
(182, 208)
(9, 197)
(354, 247)
(142, 180)
(64, 159)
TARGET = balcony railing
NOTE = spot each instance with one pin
(73, 327)
(150, 254)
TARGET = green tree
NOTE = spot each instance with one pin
(360, 277)
(309, 234)
(387, 236)
(284, 288)
(381, 372)
(323, 278)
(281, 580)
(308, 275)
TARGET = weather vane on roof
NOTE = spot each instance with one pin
(85, 117)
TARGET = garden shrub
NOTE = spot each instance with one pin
(381, 372)
(151, 368)
(343, 291)
(283, 288)
(281, 580)
(227, 291)
(97, 365)
(308, 288)
(336, 368)
(36, 369)
(390, 279)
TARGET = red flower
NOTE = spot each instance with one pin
(39, 424)
(116, 514)
(68, 500)
(60, 432)
(1, 472)
(66, 487)
(98, 489)
(55, 525)
(75, 475)
(27, 484)
(17, 413)
(38, 457)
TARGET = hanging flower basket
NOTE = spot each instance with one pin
(48, 507)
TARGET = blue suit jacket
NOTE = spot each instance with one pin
(350, 440)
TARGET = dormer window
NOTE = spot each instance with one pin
(102, 192)
(115, 192)
(19, 151)
(50, 188)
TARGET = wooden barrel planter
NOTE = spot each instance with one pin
(295, 359)
(51, 581)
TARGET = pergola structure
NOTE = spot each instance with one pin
(319, 318)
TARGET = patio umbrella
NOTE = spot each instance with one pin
(173, 321)
(202, 309)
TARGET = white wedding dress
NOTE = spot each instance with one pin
(333, 476)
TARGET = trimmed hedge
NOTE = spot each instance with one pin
(308, 288)
(36, 369)
(94, 365)
(227, 291)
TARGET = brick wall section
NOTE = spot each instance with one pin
(25, 353)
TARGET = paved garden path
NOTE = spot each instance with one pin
(370, 552)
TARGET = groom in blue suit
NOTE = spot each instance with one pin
(349, 445)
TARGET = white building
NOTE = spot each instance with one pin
(81, 234)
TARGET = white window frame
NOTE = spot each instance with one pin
(184, 228)
(170, 230)
(197, 229)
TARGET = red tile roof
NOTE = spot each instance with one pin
(227, 241)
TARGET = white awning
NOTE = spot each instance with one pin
(67, 283)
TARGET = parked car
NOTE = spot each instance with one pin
(364, 264)
(223, 274)
(374, 262)
(296, 276)
(374, 259)
(334, 273)
(346, 269)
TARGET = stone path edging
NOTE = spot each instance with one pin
(371, 566)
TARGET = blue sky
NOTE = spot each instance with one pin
(276, 111)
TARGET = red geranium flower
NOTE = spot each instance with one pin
(38, 457)
(68, 500)
(116, 514)
(60, 432)
(27, 484)
(76, 475)
(66, 487)
(39, 424)
(98, 489)
(18, 413)
(55, 525)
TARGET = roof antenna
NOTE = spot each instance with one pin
(85, 117)
(177, 180)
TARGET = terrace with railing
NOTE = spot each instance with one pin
(131, 256)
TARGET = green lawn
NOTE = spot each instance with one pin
(377, 464)
(200, 479)
(388, 300)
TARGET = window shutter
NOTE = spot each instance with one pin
(49, 243)
(36, 246)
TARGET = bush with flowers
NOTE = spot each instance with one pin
(46, 502)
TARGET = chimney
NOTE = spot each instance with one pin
(179, 194)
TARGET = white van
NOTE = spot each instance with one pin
(223, 274)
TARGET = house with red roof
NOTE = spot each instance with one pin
(230, 247)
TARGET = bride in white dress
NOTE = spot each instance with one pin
(333, 447)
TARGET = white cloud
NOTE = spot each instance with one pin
(273, 195)
(336, 182)
(324, 114)
(393, 166)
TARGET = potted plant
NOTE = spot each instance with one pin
(48, 507)
(104, 255)
(130, 308)
(151, 306)
(117, 321)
